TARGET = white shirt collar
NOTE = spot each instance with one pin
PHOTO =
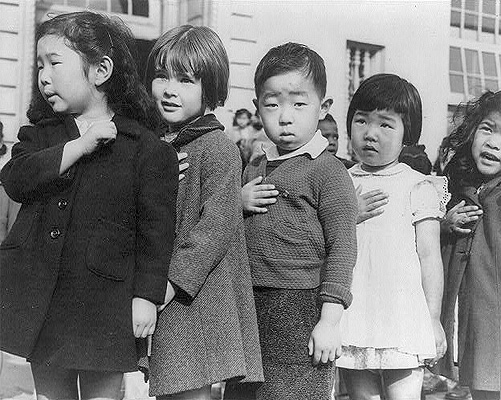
(314, 148)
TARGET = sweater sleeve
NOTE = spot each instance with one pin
(33, 169)
(207, 243)
(337, 212)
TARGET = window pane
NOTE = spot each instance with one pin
(471, 57)
(489, 64)
(456, 83)
(471, 5)
(120, 6)
(489, 7)
(491, 84)
(488, 24)
(455, 18)
(456, 4)
(140, 8)
(474, 86)
(471, 21)
(77, 3)
(98, 5)
(455, 59)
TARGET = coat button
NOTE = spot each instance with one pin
(55, 233)
(62, 204)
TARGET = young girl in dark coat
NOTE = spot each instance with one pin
(207, 331)
(86, 262)
(473, 245)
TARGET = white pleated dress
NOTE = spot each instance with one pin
(388, 324)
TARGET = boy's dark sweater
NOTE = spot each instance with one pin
(308, 237)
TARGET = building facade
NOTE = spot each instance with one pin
(433, 44)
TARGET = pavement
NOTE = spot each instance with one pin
(16, 382)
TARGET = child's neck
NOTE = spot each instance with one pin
(377, 168)
(97, 114)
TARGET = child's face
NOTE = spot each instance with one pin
(486, 146)
(178, 98)
(290, 108)
(61, 78)
(329, 131)
(243, 120)
(377, 137)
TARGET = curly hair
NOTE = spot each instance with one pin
(457, 145)
(93, 36)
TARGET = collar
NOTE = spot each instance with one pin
(196, 128)
(357, 170)
(313, 148)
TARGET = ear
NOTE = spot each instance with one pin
(104, 70)
(325, 107)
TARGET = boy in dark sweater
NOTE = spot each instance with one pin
(300, 222)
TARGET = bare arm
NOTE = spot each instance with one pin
(428, 248)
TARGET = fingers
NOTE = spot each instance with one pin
(181, 156)
(310, 346)
(255, 181)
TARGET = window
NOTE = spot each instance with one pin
(138, 8)
(363, 60)
(471, 72)
(476, 19)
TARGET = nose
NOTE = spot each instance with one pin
(43, 76)
(494, 142)
(370, 133)
(169, 89)
(286, 116)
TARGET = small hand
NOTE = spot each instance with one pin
(182, 166)
(144, 317)
(169, 296)
(325, 343)
(256, 196)
(370, 204)
(460, 215)
(440, 342)
(99, 133)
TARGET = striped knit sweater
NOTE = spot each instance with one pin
(307, 238)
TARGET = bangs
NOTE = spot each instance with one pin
(179, 59)
(383, 98)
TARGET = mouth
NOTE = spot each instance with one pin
(370, 149)
(489, 156)
(168, 104)
(49, 95)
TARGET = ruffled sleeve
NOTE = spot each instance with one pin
(429, 198)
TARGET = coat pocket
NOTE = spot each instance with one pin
(110, 250)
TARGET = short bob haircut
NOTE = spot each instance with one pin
(389, 92)
(198, 51)
(239, 112)
(291, 57)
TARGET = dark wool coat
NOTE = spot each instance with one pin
(473, 277)
(84, 244)
(208, 333)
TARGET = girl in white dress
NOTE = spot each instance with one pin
(392, 329)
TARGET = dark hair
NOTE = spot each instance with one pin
(328, 118)
(457, 145)
(291, 57)
(239, 112)
(196, 50)
(389, 92)
(416, 158)
(93, 36)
